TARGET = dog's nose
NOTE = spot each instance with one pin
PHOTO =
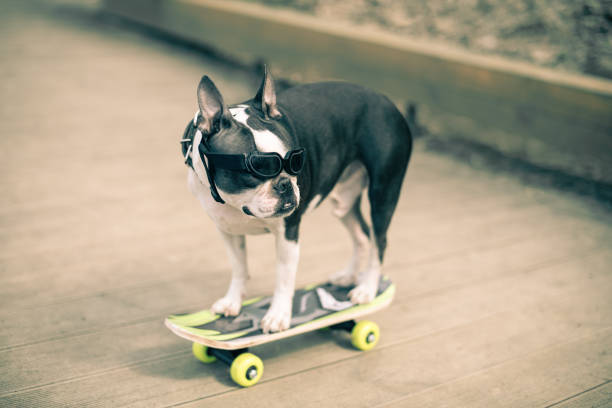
(283, 185)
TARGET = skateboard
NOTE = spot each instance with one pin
(318, 306)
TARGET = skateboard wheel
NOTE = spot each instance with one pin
(246, 369)
(200, 352)
(365, 335)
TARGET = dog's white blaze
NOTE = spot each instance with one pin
(265, 140)
(260, 200)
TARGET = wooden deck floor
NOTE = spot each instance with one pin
(504, 290)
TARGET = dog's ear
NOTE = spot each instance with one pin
(266, 96)
(212, 108)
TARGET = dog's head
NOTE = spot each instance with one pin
(246, 131)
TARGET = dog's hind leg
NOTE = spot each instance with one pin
(383, 193)
(346, 198)
(230, 304)
(382, 205)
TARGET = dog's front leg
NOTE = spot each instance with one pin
(278, 316)
(230, 304)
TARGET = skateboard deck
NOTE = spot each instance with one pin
(314, 307)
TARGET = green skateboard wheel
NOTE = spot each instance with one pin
(365, 335)
(200, 352)
(246, 369)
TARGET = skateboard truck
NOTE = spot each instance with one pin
(246, 369)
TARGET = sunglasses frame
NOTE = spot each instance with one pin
(243, 162)
(237, 162)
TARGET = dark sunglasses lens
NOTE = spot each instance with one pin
(266, 166)
(296, 162)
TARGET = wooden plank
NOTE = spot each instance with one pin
(536, 380)
(184, 291)
(419, 194)
(599, 396)
(561, 287)
(424, 365)
(54, 259)
(43, 251)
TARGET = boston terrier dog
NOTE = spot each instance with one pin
(259, 166)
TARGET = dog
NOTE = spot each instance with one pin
(259, 166)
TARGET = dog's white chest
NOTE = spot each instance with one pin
(227, 218)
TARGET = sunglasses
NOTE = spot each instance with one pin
(262, 165)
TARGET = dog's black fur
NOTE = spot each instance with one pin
(336, 123)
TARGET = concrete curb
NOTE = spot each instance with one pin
(552, 119)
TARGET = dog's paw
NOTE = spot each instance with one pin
(276, 319)
(227, 306)
(363, 293)
(344, 277)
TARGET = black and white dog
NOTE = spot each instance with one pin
(259, 166)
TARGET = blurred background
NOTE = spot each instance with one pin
(500, 245)
(529, 79)
(568, 35)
